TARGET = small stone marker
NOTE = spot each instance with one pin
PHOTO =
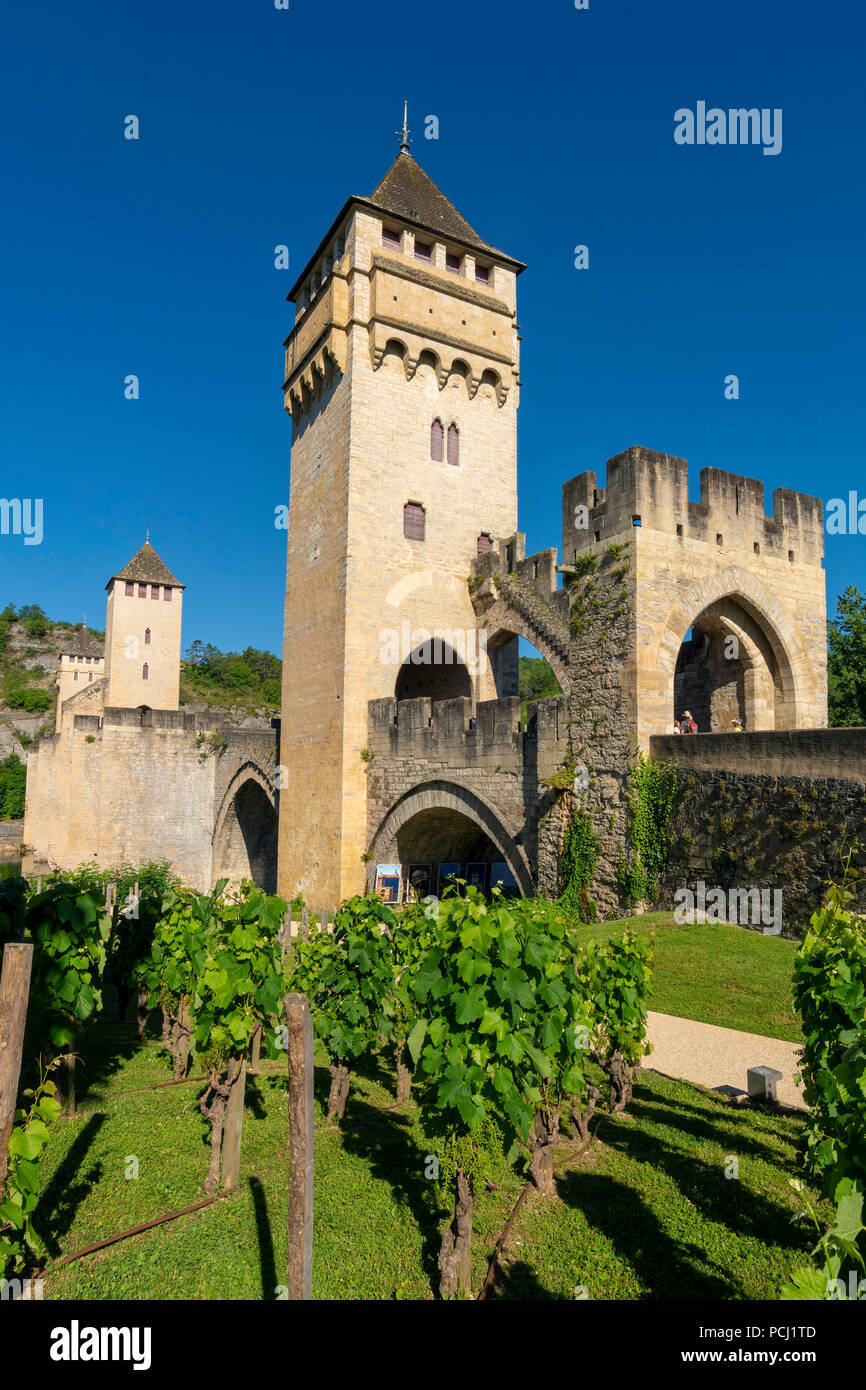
(762, 1082)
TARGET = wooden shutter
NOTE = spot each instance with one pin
(142, 591)
(166, 593)
(144, 672)
(452, 262)
(413, 521)
(390, 237)
(453, 445)
(147, 636)
(154, 591)
(423, 250)
(437, 438)
(484, 543)
(129, 589)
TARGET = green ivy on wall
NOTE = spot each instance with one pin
(577, 866)
(649, 806)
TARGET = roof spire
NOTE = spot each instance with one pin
(147, 535)
(404, 133)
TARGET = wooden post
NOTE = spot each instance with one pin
(323, 919)
(305, 923)
(14, 993)
(256, 1051)
(38, 883)
(233, 1127)
(300, 1051)
(143, 997)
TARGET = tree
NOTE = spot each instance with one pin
(195, 653)
(536, 681)
(846, 661)
(13, 778)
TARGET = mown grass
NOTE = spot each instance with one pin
(647, 1212)
(716, 973)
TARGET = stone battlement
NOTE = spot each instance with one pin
(440, 731)
(647, 489)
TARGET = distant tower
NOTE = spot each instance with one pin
(402, 384)
(80, 665)
(142, 634)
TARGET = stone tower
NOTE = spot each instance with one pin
(402, 385)
(80, 664)
(142, 634)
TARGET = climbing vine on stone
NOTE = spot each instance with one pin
(649, 807)
(577, 866)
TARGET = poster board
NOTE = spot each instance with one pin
(476, 876)
(418, 882)
(388, 882)
(446, 872)
(501, 874)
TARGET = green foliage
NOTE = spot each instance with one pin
(220, 957)
(501, 1018)
(26, 1142)
(842, 1246)
(473, 1152)
(19, 695)
(577, 866)
(649, 807)
(13, 779)
(536, 680)
(348, 977)
(616, 976)
(252, 675)
(846, 660)
(830, 996)
(69, 929)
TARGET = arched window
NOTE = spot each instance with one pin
(144, 672)
(75, 676)
(147, 636)
(437, 436)
(414, 520)
(453, 445)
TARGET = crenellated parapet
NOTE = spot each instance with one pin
(648, 490)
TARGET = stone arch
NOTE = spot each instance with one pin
(503, 623)
(244, 841)
(436, 671)
(746, 605)
(442, 795)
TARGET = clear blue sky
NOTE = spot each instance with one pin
(155, 257)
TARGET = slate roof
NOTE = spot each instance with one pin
(408, 193)
(145, 567)
(81, 643)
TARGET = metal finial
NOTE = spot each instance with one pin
(147, 535)
(404, 133)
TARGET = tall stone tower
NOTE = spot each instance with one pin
(402, 385)
(80, 662)
(142, 634)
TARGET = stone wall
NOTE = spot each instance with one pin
(771, 830)
(11, 838)
(819, 753)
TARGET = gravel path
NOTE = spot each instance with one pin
(717, 1057)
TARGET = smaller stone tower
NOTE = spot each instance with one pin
(142, 634)
(80, 664)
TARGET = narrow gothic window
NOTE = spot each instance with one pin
(484, 543)
(90, 676)
(437, 435)
(414, 521)
(144, 672)
(453, 444)
(75, 677)
(128, 589)
(142, 591)
(147, 636)
(166, 593)
(154, 591)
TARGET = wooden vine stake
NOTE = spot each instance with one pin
(14, 993)
(299, 1025)
(234, 1123)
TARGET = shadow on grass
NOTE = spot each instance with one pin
(520, 1281)
(670, 1268)
(726, 1126)
(382, 1139)
(68, 1187)
(267, 1264)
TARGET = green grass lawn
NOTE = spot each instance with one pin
(717, 973)
(647, 1212)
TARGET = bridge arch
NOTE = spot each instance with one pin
(771, 648)
(441, 821)
(244, 841)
